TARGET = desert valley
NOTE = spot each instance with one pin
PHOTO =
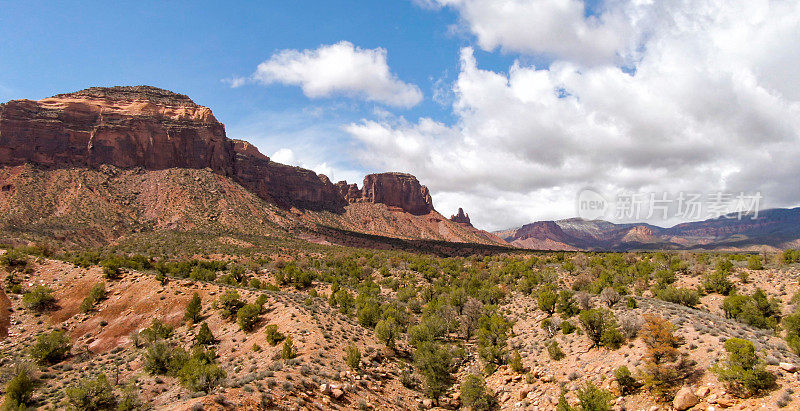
(479, 205)
(152, 262)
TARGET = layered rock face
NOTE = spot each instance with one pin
(123, 126)
(398, 190)
(461, 217)
(153, 129)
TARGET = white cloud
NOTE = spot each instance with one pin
(555, 27)
(284, 156)
(287, 156)
(338, 69)
(713, 103)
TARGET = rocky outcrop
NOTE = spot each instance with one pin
(122, 126)
(396, 190)
(153, 129)
(461, 217)
(287, 186)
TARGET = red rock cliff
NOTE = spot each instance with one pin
(397, 190)
(154, 129)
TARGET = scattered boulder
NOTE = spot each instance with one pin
(685, 399)
(788, 367)
(325, 388)
(702, 391)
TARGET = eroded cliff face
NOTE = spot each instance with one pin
(461, 217)
(153, 129)
(397, 190)
(122, 126)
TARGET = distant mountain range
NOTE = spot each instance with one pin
(772, 229)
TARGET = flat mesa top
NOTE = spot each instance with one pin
(154, 94)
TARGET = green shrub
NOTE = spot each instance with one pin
(601, 328)
(554, 351)
(112, 269)
(353, 357)
(743, 373)
(387, 331)
(546, 299)
(130, 399)
(516, 363)
(39, 299)
(157, 330)
(201, 372)
(791, 323)
(754, 262)
(475, 395)
(625, 379)
(92, 394)
(248, 316)
(756, 310)
(273, 335)
(677, 295)
(229, 304)
(96, 293)
(193, 309)
(791, 256)
(717, 282)
(202, 274)
(567, 327)
(19, 391)
(14, 260)
(288, 351)
(204, 335)
(592, 398)
(160, 358)
(563, 404)
(492, 335)
(260, 301)
(51, 348)
(433, 362)
(630, 303)
(566, 305)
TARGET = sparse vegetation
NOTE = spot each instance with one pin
(19, 391)
(92, 394)
(592, 398)
(248, 316)
(446, 311)
(273, 335)
(353, 357)
(475, 395)
(39, 299)
(742, 372)
(51, 347)
(601, 328)
(193, 309)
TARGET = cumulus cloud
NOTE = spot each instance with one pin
(338, 69)
(554, 27)
(706, 101)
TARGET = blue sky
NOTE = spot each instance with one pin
(190, 47)
(523, 102)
